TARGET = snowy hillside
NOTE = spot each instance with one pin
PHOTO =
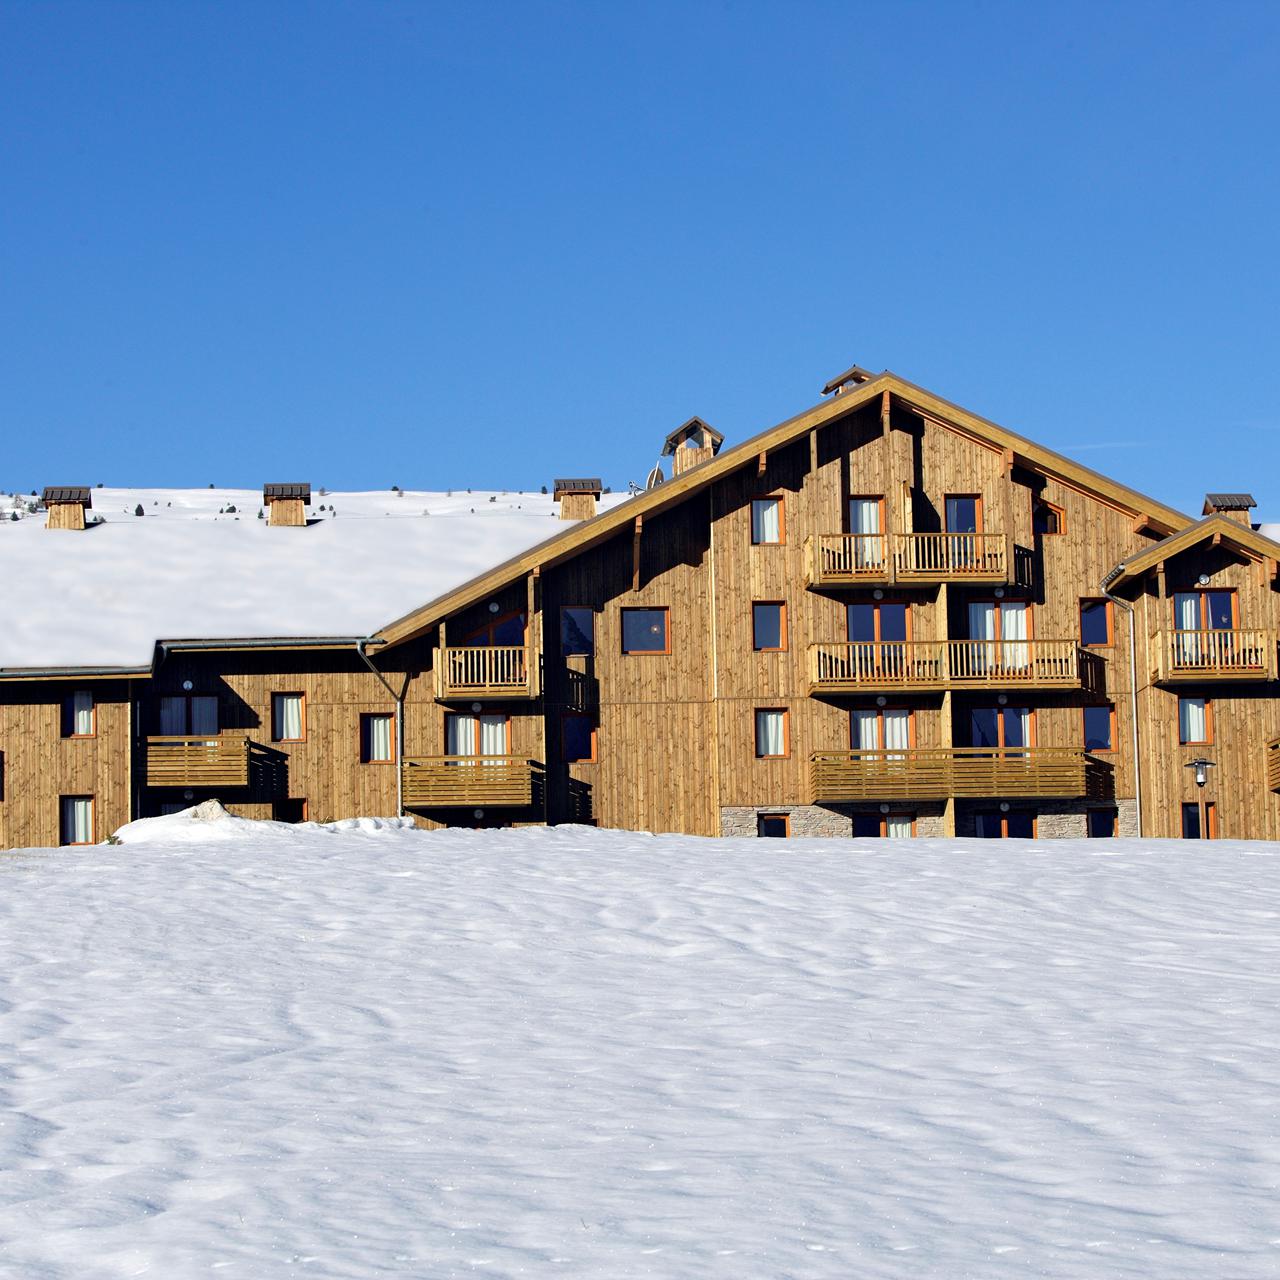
(199, 564)
(363, 1051)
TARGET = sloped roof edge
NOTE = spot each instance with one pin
(1236, 535)
(604, 526)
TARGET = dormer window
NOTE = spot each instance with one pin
(1046, 518)
(79, 715)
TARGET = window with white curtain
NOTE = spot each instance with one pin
(998, 632)
(183, 714)
(475, 735)
(376, 738)
(1193, 720)
(899, 826)
(82, 714)
(77, 820)
(771, 733)
(876, 729)
(766, 520)
(288, 719)
(864, 525)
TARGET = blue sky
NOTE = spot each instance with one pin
(375, 244)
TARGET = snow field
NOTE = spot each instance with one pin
(241, 1049)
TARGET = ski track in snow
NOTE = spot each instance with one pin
(366, 1052)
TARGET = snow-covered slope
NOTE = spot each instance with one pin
(363, 1051)
(190, 568)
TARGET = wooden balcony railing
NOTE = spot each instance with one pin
(1273, 764)
(964, 772)
(857, 665)
(942, 557)
(497, 671)
(456, 781)
(1239, 654)
(848, 559)
(214, 760)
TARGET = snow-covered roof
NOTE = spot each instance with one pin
(191, 568)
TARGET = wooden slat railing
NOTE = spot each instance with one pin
(483, 781)
(941, 556)
(848, 666)
(1237, 654)
(497, 671)
(965, 772)
(190, 760)
(833, 558)
(1273, 764)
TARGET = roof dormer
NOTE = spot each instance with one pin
(1235, 506)
(691, 443)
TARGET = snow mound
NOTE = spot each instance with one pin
(363, 1050)
(209, 823)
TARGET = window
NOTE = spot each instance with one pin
(288, 717)
(183, 715)
(377, 738)
(76, 820)
(507, 630)
(1017, 824)
(79, 716)
(881, 729)
(1096, 623)
(466, 734)
(577, 630)
(964, 513)
(1204, 610)
(767, 522)
(885, 621)
(774, 825)
(768, 625)
(866, 529)
(998, 631)
(1192, 826)
(1101, 823)
(772, 734)
(890, 826)
(645, 631)
(1099, 728)
(578, 739)
(1195, 721)
(1001, 727)
(1046, 518)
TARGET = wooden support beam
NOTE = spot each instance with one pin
(813, 452)
(1141, 522)
(761, 462)
(635, 552)
(1008, 461)
(1270, 569)
(1216, 540)
(884, 412)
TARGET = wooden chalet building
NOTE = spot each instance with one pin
(884, 616)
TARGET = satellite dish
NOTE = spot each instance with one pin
(655, 477)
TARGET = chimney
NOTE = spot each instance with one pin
(847, 380)
(1235, 506)
(286, 503)
(577, 498)
(691, 444)
(66, 505)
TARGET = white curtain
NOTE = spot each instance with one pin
(173, 715)
(864, 523)
(77, 819)
(1015, 653)
(897, 733)
(493, 735)
(897, 826)
(1193, 720)
(864, 730)
(379, 737)
(460, 735)
(82, 712)
(982, 631)
(204, 715)
(1186, 614)
(766, 520)
(769, 733)
(471, 735)
(288, 716)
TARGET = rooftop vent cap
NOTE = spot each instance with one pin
(851, 377)
(287, 503)
(66, 505)
(577, 498)
(1235, 506)
(690, 444)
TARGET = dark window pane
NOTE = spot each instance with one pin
(1093, 622)
(644, 630)
(772, 824)
(984, 730)
(1102, 824)
(862, 621)
(866, 825)
(893, 622)
(1097, 728)
(962, 515)
(1017, 726)
(1045, 519)
(1021, 824)
(577, 631)
(766, 625)
(987, 826)
(509, 630)
(1219, 610)
(1191, 822)
(578, 744)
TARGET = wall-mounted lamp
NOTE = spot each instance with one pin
(999, 593)
(479, 813)
(884, 808)
(493, 606)
(881, 700)
(475, 706)
(1004, 806)
(1203, 579)
(877, 594)
(1202, 767)
(1002, 699)
(186, 684)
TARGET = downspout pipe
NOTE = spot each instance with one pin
(399, 701)
(1133, 685)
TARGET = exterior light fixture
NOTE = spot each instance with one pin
(1202, 767)
(1004, 806)
(493, 606)
(1002, 699)
(475, 706)
(479, 813)
(881, 700)
(188, 795)
(1203, 580)
(999, 593)
(884, 808)
(186, 684)
(877, 594)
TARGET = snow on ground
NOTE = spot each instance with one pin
(190, 568)
(359, 1051)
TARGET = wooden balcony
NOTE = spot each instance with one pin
(940, 773)
(847, 559)
(459, 781)
(176, 760)
(869, 666)
(1273, 764)
(856, 559)
(498, 671)
(1240, 654)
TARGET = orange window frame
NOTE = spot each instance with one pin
(876, 606)
(1084, 733)
(366, 738)
(864, 497)
(492, 625)
(1210, 831)
(880, 712)
(275, 718)
(1002, 745)
(475, 746)
(785, 819)
(1056, 509)
(666, 630)
(1203, 608)
(1111, 622)
(62, 822)
(595, 731)
(781, 500)
(1030, 611)
(786, 732)
(781, 606)
(1208, 723)
(978, 514)
(69, 714)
